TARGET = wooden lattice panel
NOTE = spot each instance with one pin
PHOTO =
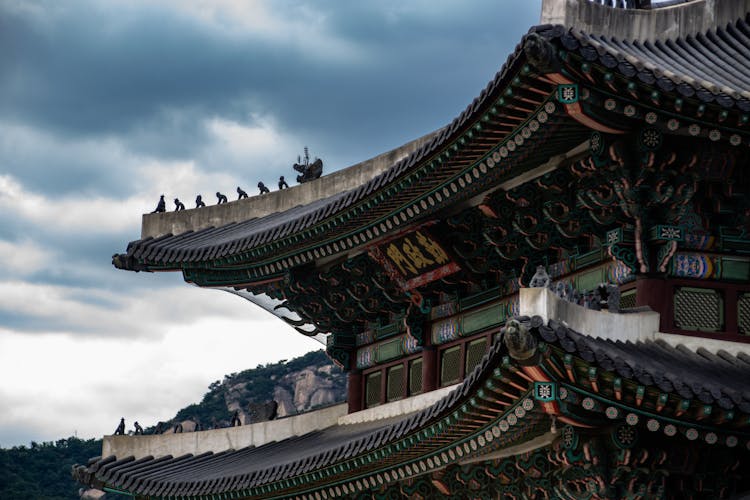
(395, 383)
(450, 366)
(372, 389)
(415, 377)
(627, 299)
(474, 352)
(743, 313)
(699, 309)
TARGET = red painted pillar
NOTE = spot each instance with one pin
(654, 291)
(429, 368)
(354, 391)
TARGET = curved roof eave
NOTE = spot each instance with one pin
(302, 226)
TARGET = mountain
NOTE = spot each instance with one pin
(42, 471)
(298, 385)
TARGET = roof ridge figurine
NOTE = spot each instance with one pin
(309, 171)
(161, 206)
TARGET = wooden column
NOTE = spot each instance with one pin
(429, 368)
(354, 392)
(654, 291)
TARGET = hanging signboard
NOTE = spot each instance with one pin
(416, 257)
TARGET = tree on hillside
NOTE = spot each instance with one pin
(42, 470)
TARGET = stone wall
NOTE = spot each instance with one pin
(216, 440)
(155, 225)
(649, 24)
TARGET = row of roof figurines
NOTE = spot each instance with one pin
(308, 171)
(256, 412)
(604, 296)
(176, 429)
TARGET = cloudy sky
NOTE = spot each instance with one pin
(106, 105)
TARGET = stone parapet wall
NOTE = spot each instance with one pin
(216, 440)
(649, 24)
(160, 224)
(624, 327)
(614, 326)
(235, 438)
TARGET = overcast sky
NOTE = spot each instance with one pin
(106, 105)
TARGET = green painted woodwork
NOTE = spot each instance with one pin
(483, 318)
(567, 93)
(388, 350)
(590, 280)
(480, 298)
(666, 233)
(663, 398)
(735, 269)
(389, 330)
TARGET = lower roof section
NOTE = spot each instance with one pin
(341, 453)
(262, 433)
(592, 386)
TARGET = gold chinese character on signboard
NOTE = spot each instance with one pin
(400, 259)
(432, 248)
(415, 254)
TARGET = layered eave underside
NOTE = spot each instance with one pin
(713, 68)
(352, 453)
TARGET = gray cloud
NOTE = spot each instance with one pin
(153, 73)
(104, 106)
(94, 104)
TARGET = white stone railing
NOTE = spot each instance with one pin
(664, 22)
(216, 440)
(625, 326)
(234, 438)
(615, 326)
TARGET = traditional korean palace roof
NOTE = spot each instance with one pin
(570, 149)
(526, 112)
(649, 394)
(599, 165)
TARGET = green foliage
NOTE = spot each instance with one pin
(42, 471)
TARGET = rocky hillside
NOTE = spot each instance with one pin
(297, 386)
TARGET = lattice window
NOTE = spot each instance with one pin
(450, 366)
(395, 383)
(699, 309)
(627, 299)
(372, 389)
(474, 352)
(743, 313)
(415, 376)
